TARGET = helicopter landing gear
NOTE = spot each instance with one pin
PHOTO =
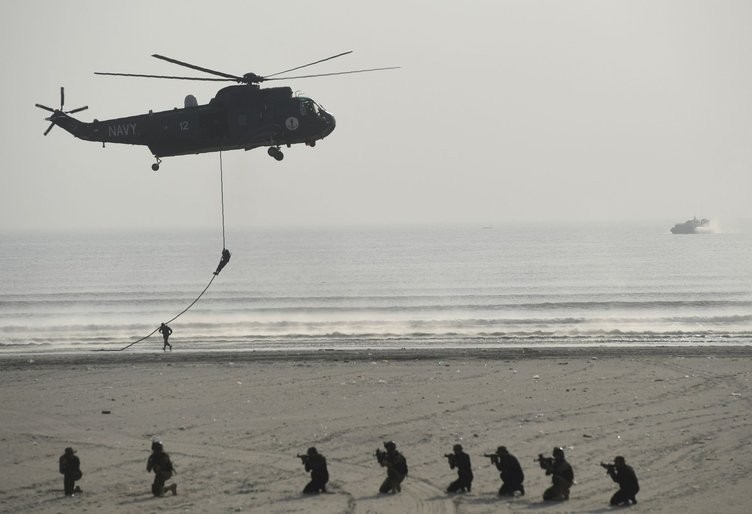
(155, 166)
(275, 152)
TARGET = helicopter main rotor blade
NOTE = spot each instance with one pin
(77, 110)
(49, 128)
(336, 73)
(198, 68)
(62, 97)
(309, 64)
(162, 76)
(44, 107)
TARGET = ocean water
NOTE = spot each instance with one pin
(419, 287)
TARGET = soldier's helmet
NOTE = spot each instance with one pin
(558, 452)
(390, 446)
(69, 451)
(457, 447)
(619, 460)
(312, 451)
(156, 445)
(501, 450)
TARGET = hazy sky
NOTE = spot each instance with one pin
(502, 111)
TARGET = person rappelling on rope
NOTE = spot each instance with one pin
(223, 261)
(166, 332)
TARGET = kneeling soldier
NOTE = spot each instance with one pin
(461, 461)
(562, 475)
(160, 463)
(316, 464)
(396, 468)
(511, 472)
(625, 476)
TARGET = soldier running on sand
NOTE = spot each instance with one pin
(166, 333)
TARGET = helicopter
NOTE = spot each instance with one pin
(243, 116)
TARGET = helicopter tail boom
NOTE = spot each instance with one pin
(79, 129)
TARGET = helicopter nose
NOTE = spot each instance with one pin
(330, 124)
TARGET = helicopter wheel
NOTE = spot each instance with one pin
(275, 152)
(155, 167)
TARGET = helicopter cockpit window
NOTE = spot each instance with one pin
(307, 106)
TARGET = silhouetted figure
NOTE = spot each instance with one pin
(396, 468)
(562, 476)
(625, 476)
(461, 461)
(316, 464)
(160, 463)
(511, 473)
(166, 333)
(70, 467)
(223, 261)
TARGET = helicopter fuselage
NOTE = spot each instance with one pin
(238, 117)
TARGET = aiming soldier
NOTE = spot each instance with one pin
(511, 472)
(316, 464)
(562, 475)
(160, 463)
(625, 476)
(70, 468)
(461, 461)
(396, 467)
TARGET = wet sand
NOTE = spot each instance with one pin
(234, 422)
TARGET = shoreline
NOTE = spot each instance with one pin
(16, 360)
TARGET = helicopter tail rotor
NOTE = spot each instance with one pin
(59, 113)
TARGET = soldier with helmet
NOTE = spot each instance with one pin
(562, 475)
(160, 463)
(70, 468)
(396, 468)
(625, 476)
(316, 464)
(460, 460)
(511, 472)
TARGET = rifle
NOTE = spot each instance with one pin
(380, 456)
(545, 462)
(451, 458)
(608, 467)
(303, 458)
(493, 456)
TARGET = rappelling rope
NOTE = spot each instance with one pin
(222, 196)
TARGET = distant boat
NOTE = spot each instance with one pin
(693, 226)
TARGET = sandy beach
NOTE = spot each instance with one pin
(233, 424)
